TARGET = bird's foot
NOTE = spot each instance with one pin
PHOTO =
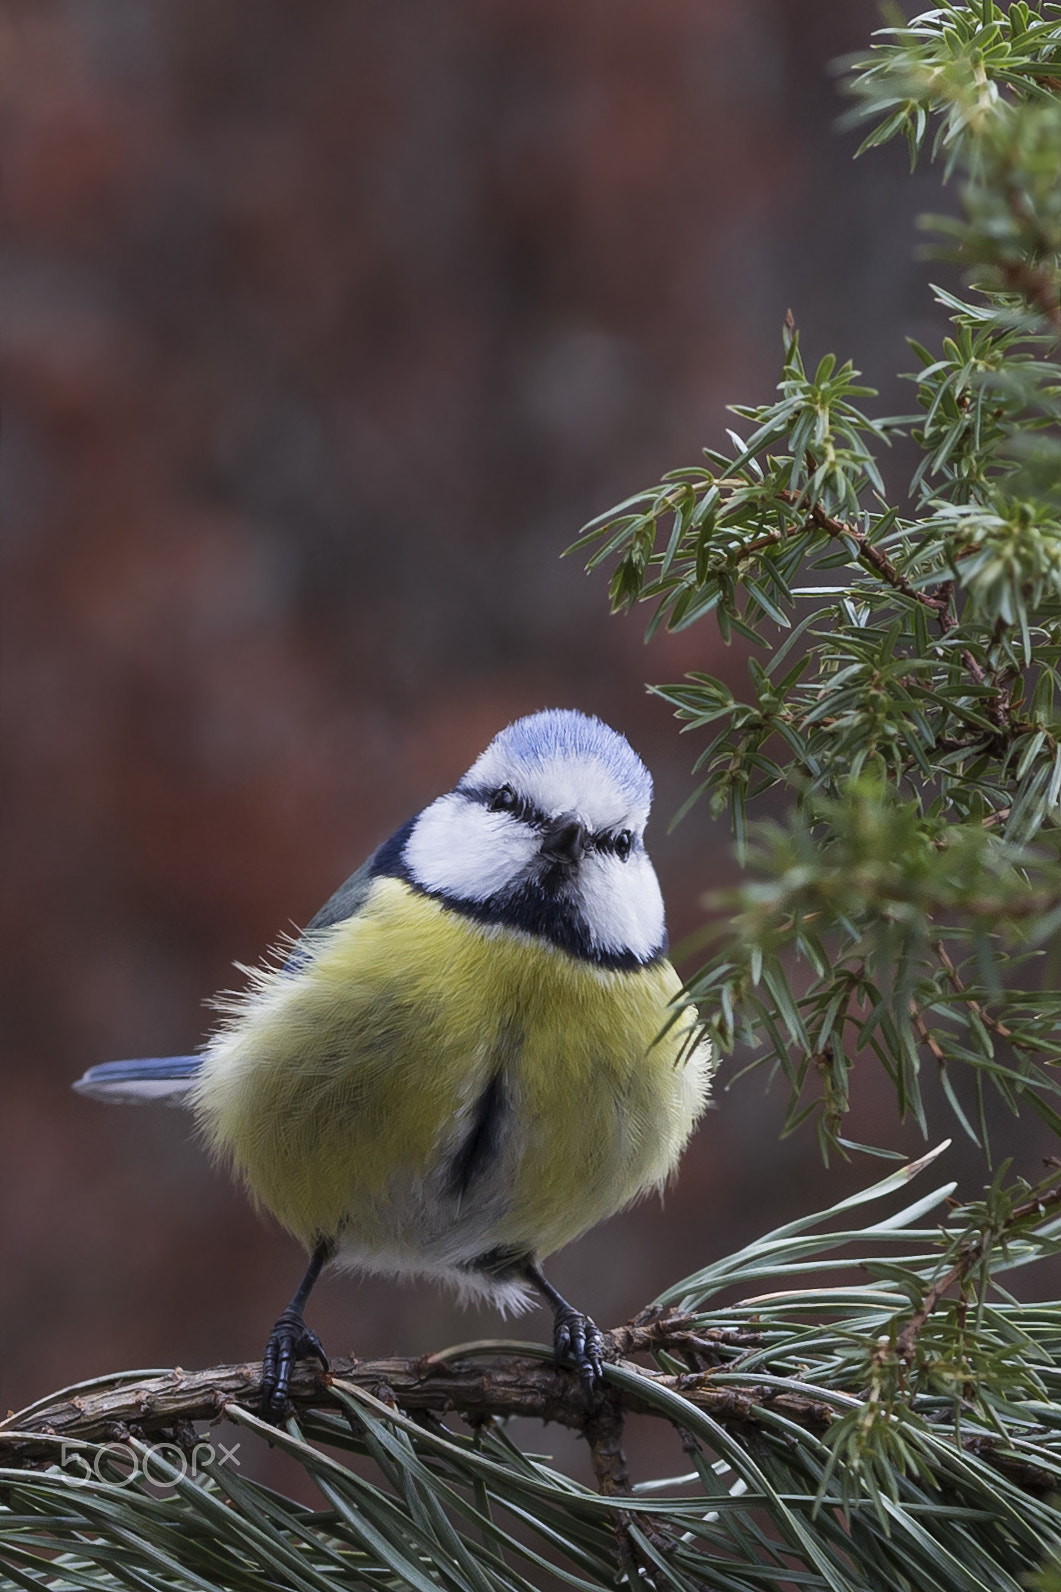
(579, 1341)
(290, 1340)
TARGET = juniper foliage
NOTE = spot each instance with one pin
(904, 645)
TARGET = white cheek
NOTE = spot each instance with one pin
(466, 851)
(622, 904)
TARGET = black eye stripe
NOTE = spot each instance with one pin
(523, 810)
(619, 845)
(612, 843)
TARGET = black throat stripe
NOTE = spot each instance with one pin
(533, 911)
(529, 907)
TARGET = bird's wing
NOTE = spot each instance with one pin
(347, 901)
(352, 894)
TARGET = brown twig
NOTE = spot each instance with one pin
(974, 1006)
(868, 552)
(968, 1258)
(947, 621)
(938, 602)
(604, 1434)
(996, 706)
(1037, 284)
(926, 1036)
(1044, 77)
(906, 1342)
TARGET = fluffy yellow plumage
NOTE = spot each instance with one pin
(343, 1091)
(471, 1056)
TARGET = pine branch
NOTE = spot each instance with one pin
(481, 1385)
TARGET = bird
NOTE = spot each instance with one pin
(476, 1050)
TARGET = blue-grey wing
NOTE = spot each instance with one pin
(347, 900)
(353, 893)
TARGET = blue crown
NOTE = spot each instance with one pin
(563, 732)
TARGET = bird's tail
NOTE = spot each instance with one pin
(166, 1078)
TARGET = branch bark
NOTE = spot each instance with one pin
(477, 1386)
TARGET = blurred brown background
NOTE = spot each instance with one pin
(326, 327)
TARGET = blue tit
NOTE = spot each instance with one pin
(473, 1053)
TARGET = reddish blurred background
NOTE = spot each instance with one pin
(327, 326)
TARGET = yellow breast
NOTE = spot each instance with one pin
(344, 1091)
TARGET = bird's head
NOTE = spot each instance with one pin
(545, 833)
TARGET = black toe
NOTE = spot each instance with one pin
(580, 1342)
(290, 1341)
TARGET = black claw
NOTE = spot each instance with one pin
(290, 1340)
(576, 1338)
(579, 1340)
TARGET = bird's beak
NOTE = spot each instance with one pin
(565, 841)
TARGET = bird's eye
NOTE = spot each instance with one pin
(624, 841)
(503, 800)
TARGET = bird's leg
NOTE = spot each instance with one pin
(292, 1340)
(575, 1336)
